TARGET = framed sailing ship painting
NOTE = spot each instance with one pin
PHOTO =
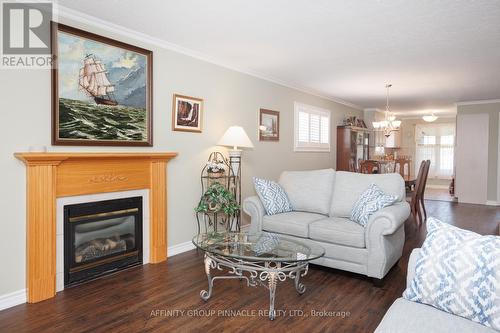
(102, 90)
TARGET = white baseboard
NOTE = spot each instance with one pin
(492, 203)
(180, 248)
(12, 299)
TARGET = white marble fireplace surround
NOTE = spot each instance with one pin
(61, 202)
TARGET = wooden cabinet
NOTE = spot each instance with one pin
(393, 140)
(352, 145)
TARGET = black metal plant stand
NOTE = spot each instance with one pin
(211, 220)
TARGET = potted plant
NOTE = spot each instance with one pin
(217, 199)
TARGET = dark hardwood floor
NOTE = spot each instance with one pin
(144, 299)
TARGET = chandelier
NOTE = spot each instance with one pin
(389, 124)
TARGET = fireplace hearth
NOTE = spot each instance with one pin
(101, 237)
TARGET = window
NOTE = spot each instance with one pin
(436, 142)
(312, 128)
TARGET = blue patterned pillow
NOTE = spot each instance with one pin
(458, 271)
(372, 200)
(273, 197)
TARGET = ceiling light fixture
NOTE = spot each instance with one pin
(389, 124)
(430, 118)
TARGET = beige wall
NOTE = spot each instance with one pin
(471, 185)
(492, 109)
(230, 98)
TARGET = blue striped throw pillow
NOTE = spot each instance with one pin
(370, 201)
(272, 195)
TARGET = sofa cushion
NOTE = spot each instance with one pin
(410, 317)
(273, 197)
(457, 272)
(309, 191)
(349, 186)
(370, 201)
(293, 223)
(338, 230)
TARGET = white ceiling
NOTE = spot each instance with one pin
(434, 52)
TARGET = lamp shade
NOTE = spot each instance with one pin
(396, 123)
(235, 136)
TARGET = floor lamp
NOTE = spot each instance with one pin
(236, 137)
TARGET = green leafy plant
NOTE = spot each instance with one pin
(218, 199)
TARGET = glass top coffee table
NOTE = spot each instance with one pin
(260, 259)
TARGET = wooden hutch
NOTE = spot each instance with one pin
(352, 146)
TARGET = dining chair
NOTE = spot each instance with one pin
(369, 166)
(399, 166)
(422, 190)
(352, 165)
(415, 198)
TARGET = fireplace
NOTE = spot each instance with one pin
(101, 237)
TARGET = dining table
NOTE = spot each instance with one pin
(410, 182)
(387, 166)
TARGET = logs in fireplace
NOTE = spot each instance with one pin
(101, 238)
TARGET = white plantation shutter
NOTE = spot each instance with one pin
(325, 130)
(312, 128)
(303, 127)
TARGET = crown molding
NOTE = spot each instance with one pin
(413, 117)
(77, 16)
(484, 101)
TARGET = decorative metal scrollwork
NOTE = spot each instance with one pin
(264, 273)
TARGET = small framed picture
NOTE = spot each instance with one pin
(269, 125)
(187, 113)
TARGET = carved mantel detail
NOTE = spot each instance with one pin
(108, 178)
(53, 175)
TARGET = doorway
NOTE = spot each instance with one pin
(436, 142)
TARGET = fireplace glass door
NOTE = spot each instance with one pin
(101, 237)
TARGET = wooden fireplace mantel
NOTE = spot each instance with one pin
(53, 175)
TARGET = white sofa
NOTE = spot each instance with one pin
(407, 316)
(322, 201)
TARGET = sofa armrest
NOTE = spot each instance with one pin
(385, 237)
(387, 220)
(253, 207)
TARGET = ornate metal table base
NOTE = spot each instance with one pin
(265, 273)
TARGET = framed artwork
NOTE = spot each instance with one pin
(269, 125)
(187, 113)
(102, 90)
